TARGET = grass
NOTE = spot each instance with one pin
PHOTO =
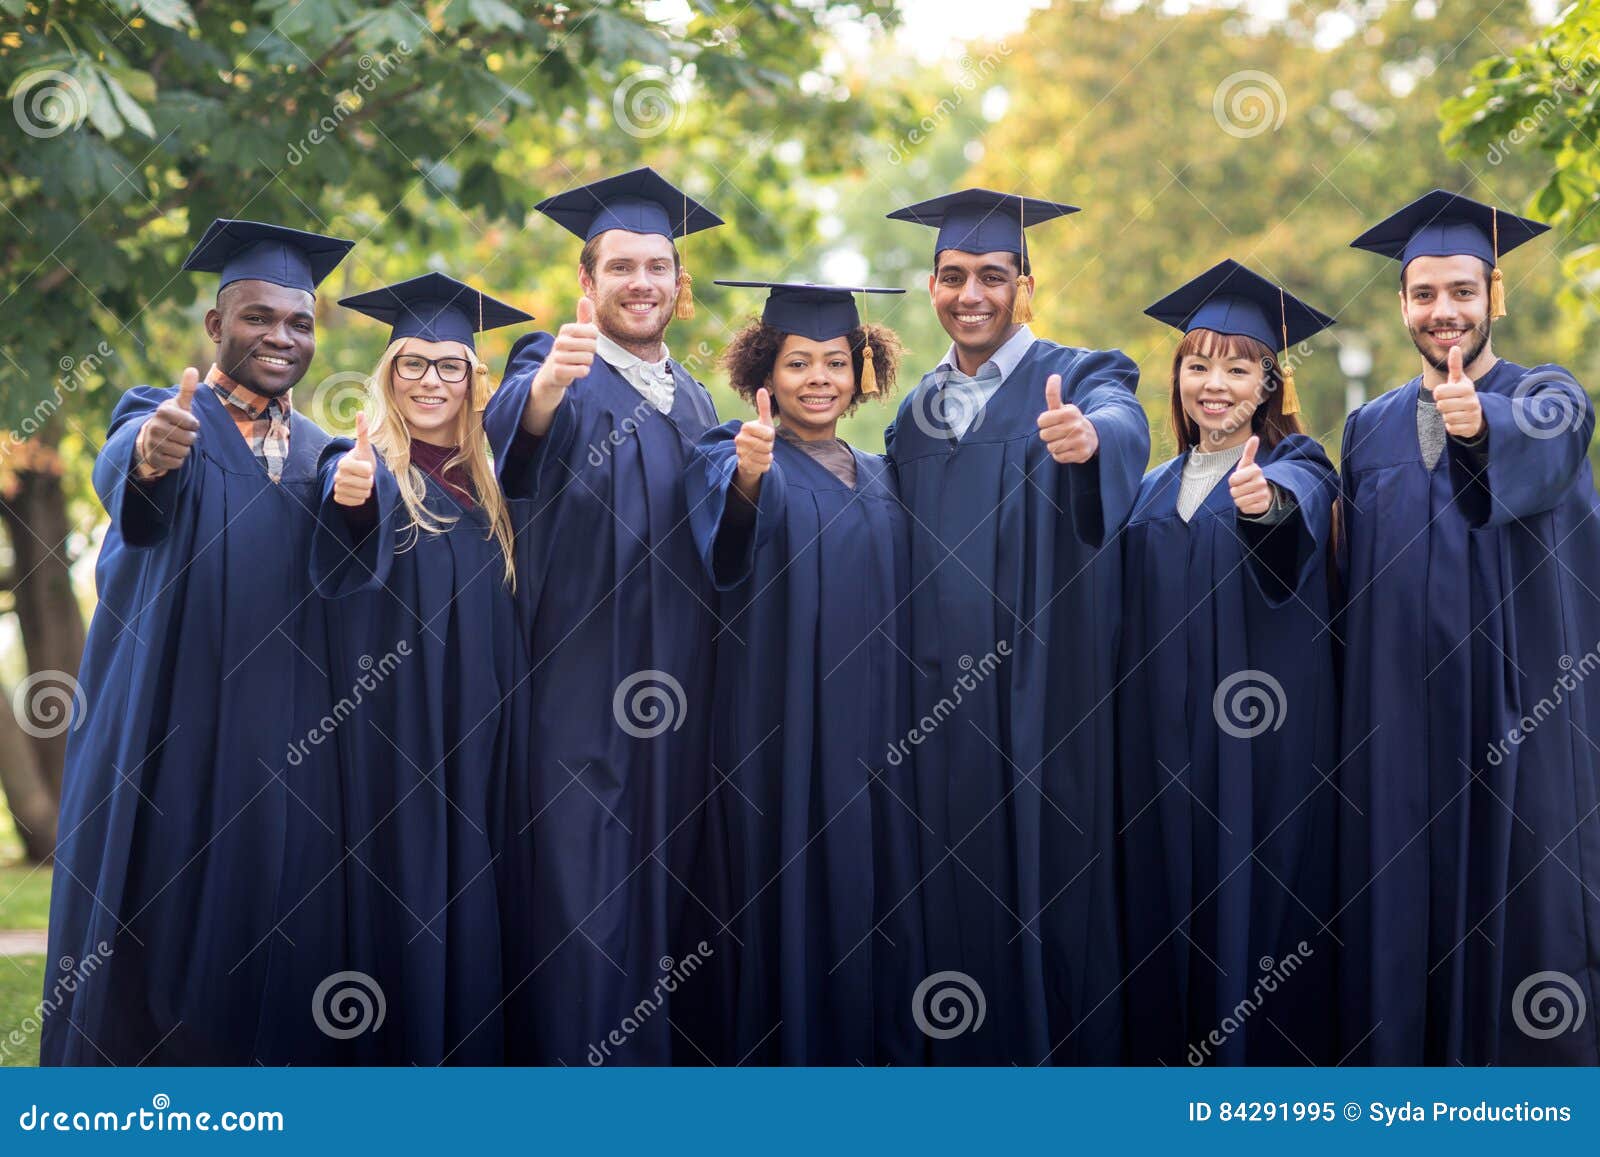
(24, 896)
(21, 982)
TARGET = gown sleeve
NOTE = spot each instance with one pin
(1102, 490)
(1537, 440)
(725, 539)
(529, 466)
(142, 512)
(353, 547)
(1285, 553)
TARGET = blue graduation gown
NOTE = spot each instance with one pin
(812, 692)
(1014, 776)
(425, 648)
(612, 898)
(1471, 716)
(1226, 821)
(193, 848)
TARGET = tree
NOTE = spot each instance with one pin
(426, 129)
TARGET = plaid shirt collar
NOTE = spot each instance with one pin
(243, 398)
(263, 421)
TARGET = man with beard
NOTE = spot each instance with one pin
(1018, 460)
(1471, 843)
(612, 873)
(194, 840)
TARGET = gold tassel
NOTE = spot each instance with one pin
(1497, 284)
(1022, 308)
(1497, 294)
(869, 375)
(480, 388)
(685, 309)
(1291, 396)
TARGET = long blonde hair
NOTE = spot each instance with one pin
(392, 438)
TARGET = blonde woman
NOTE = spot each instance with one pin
(415, 540)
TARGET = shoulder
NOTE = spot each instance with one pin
(530, 347)
(1297, 446)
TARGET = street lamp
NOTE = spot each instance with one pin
(1355, 362)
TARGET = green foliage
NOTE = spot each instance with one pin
(21, 983)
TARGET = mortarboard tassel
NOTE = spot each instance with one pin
(1291, 396)
(869, 375)
(1022, 307)
(480, 372)
(1497, 284)
(685, 307)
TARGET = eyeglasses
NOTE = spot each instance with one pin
(414, 367)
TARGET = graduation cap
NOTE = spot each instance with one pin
(819, 312)
(435, 307)
(640, 201)
(1229, 298)
(256, 251)
(986, 221)
(1444, 224)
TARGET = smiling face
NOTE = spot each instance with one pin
(812, 383)
(973, 294)
(1220, 383)
(634, 286)
(429, 405)
(266, 335)
(1445, 303)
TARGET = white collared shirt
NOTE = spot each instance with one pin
(966, 396)
(651, 379)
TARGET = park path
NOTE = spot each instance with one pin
(23, 943)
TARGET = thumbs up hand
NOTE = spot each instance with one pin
(1068, 435)
(572, 356)
(1458, 402)
(753, 445)
(353, 477)
(1251, 491)
(168, 434)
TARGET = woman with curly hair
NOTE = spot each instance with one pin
(805, 539)
(415, 543)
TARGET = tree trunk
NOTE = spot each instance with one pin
(29, 799)
(33, 507)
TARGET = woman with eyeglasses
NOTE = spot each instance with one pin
(415, 541)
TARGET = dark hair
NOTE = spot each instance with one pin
(753, 353)
(1268, 421)
(1024, 262)
(591, 255)
(1488, 273)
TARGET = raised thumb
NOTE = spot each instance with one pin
(585, 311)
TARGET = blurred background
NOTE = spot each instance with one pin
(1265, 130)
